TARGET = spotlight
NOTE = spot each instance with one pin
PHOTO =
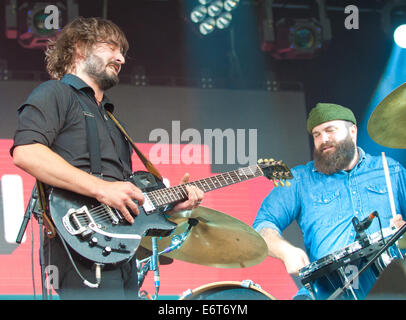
(207, 26)
(393, 19)
(215, 8)
(224, 20)
(230, 5)
(400, 36)
(198, 14)
(305, 36)
(210, 14)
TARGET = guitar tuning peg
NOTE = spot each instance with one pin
(266, 160)
(288, 184)
(271, 160)
(275, 183)
(260, 161)
(281, 182)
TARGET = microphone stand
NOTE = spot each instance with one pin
(388, 244)
(152, 262)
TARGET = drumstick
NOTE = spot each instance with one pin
(388, 183)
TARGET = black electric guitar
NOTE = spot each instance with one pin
(101, 234)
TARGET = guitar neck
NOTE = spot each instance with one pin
(166, 196)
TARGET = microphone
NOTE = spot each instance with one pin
(365, 223)
(28, 213)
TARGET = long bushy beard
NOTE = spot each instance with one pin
(340, 159)
(96, 69)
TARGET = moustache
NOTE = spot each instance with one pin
(327, 145)
(114, 64)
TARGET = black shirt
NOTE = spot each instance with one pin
(53, 116)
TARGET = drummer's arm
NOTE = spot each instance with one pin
(293, 257)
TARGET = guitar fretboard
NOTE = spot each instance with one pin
(174, 194)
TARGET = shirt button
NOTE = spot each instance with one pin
(353, 192)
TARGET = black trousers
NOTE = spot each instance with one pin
(117, 282)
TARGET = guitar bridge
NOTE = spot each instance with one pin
(76, 222)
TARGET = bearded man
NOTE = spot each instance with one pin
(51, 143)
(340, 184)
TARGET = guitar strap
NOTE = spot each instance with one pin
(148, 164)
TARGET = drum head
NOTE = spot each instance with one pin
(226, 290)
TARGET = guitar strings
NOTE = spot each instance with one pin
(164, 196)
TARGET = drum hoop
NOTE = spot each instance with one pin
(218, 284)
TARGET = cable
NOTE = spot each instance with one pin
(85, 281)
(32, 261)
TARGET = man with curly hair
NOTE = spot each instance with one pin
(51, 144)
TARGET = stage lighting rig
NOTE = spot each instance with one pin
(292, 37)
(209, 14)
(32, 24)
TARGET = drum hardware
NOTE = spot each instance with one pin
(227, 290)
(385, 247)
(152, 263)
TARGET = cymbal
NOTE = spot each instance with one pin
(218, 240)
(388, 120)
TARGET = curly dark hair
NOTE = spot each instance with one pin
(80, 33)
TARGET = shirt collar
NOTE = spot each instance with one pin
(79, 84)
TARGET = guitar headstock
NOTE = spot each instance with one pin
(277, 171)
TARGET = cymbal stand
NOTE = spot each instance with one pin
(152, 263)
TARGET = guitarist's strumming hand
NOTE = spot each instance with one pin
(121, 195)
(195, 197)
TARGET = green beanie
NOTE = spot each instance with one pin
(324, 112)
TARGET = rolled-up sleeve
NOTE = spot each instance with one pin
(279, 209)
(41, 116)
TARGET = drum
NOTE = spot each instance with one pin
(324, 276)
(227, 290)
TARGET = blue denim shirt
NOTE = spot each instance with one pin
(324, 205)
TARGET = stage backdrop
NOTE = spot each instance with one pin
(247, 125)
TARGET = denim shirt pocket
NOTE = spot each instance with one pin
(326, 206)
(377, 197)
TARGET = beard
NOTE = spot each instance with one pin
(332, 162)
(96, 69)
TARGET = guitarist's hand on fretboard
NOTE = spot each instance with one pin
(195, 197)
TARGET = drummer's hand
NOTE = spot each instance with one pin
(195, 197)
(295, 260)
(397, 221)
